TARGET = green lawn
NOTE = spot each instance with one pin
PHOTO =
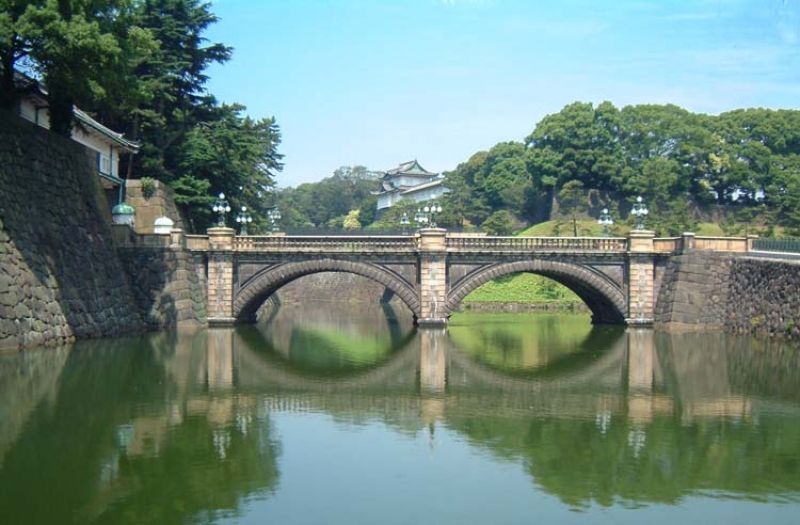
(586, 228)
(522, 288)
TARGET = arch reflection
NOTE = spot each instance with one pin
(328, 340)
(173, 427)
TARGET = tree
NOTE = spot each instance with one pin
(498, 223)
(351, 221)
(784, 191)
(77, 47)
(348, 188)
(232, 154)
(572, 197)
(14, 46)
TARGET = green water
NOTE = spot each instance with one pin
(348, 415)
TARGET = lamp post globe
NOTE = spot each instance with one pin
(244, 218)
(404, 222)
(605, 220)
(639, 212)
(274, 215)
(221, 207)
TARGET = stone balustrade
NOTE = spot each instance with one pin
(722, 244)
(667, 244)
(309, 243)
(537, 244)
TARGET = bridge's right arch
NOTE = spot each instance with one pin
(605, 300)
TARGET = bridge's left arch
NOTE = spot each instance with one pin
(256, 290)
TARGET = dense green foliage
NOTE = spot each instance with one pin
(329, 202)
(139, 67)
(681, 163)
(81, 48)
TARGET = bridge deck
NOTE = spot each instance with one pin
(411, 244)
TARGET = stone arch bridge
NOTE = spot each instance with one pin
(432, 271)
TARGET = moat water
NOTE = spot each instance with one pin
(349, 415)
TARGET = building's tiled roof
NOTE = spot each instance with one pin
(420, 187)
(83, 118)
(412, 167)
(33, 88)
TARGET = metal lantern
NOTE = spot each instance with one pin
(243, 218)
(605, 221)
(420, 218)
(431, 211)
(274, 215)
(221, 207)
(163, 226)
(639, 212)
(404, 222)
(123, 213)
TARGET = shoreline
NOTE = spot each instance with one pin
(517, 306)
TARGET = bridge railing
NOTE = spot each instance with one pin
(667, 244)
(721, 244)
(313, 243)
(197, 242)
(527, 244)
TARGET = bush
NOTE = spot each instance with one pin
(498, 223)
(148, 187)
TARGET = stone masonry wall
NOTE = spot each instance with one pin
(694, 291)
(744, 295)
(765, 297)
(148, 209)
(334, 287)
(60, 277)
(168, 285)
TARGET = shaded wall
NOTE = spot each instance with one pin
(169, 285)
(740, 294)
(60, 277)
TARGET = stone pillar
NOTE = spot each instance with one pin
(641, 278)
(176, 239)
(433, 277)
(220, 276)
(432, 363)
(687, 242)
(219, 359)
(641, 361)
(432, 376)
(751, 238)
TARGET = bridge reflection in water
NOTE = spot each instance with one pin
(187, 422)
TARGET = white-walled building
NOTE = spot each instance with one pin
(104, 145)
(409, 181)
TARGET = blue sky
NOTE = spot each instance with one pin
(380, 82)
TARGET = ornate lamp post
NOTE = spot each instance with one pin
(420, 218)
(221, 207)
(639, 211)
(404, 222)
(244, 218)
(605, 221)
(432, 209)
(274, 215)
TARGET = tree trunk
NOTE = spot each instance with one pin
(8, 92)
(61, 112)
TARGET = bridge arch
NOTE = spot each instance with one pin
(255, 291)
(605, 300)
